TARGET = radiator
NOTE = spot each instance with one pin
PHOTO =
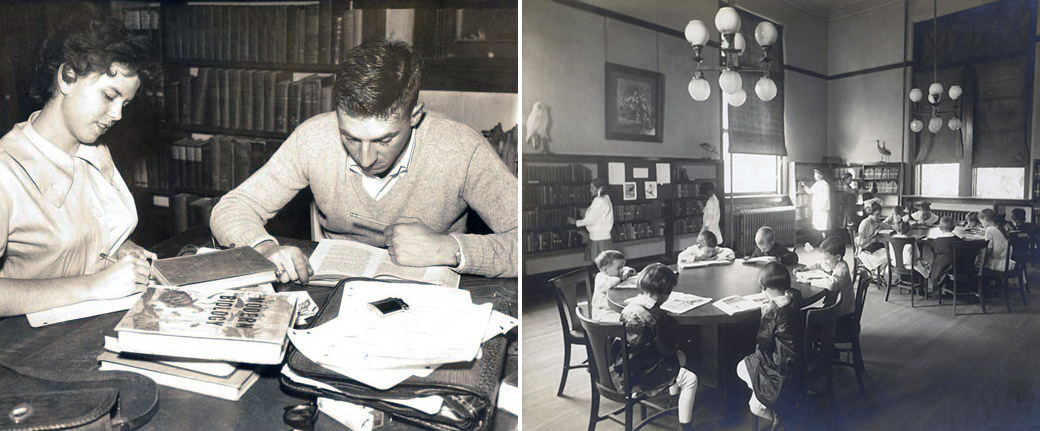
(958, 216)
(747, 222)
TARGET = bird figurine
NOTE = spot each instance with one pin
(539, 121)
(709, 150)
(881, 149)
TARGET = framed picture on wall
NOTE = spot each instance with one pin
(630, 191)
(651, 190)
(634, 104)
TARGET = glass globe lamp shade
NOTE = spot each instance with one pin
(935, 89)
(736, 99)
(739, 43)
(765, 33)
(699, 89)
(934, 98)
(935, 124)
(915, 95)
(916, 125)
(730, 81)
(955, 92)
(954, 124)
(765, 89)
(696, 33)
(727, 21)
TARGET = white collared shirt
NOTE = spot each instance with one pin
(378, 187)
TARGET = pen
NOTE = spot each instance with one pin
(106, 257)
(372, 223)
(151, 266)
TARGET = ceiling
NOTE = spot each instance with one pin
(835, 9)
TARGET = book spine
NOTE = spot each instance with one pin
(311, 34)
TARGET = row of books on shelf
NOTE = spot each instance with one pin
(535, 242)
(268, 33)
(638, 211)
(556, 195)
(141, 18)
(686, 208)
(883, 187)
(549, 218)
(638, 230)
(216, 164)
(880, 173)
(261, 100)
(190, 210)
(687, 225)
(555, 174)
(687, 190)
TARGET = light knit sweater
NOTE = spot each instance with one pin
(452, 168)
(599, 218)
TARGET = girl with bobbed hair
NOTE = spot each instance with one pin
(66, 214)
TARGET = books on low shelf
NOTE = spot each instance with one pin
(224, 269)
(230, 387)
(740, 304)
(335, 259)
(239, 326)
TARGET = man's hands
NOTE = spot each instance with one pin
(129, 248)
(292, 264)
(411, 243)
(128, 275)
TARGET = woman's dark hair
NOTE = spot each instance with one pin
(707, 188)
(601, 185)
(89, 43)
(774, 276)
(989, 214)
(657, 279)
(378, 79)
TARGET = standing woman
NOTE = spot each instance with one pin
(821, 202)
(63, 202)
(599, 220)
(712, 214)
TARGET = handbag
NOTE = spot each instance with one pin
(35, 399)
(469, 390)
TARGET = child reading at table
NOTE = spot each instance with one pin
(971, 221)
(924, 215)
(920, 266)
(706, 248)
(766, 245)
(839, 279)
(871, 249)
(612, 270)
(772, 371)
(942, 251)
(997, 237)
(898, 214)
(653, 361)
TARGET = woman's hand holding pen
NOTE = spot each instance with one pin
(131, 248)
(125, 276)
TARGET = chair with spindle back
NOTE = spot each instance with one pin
(567, 287)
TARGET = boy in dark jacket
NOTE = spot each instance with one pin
(773, 371)
(653, 362)
(942, 251)
(766, 245)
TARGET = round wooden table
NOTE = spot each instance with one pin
(724, 340)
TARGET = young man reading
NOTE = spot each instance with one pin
(380, 157)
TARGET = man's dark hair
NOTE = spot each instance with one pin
(89, 43)
(657, 279)
(378, 79)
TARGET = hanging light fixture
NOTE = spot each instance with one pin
(727, 21)
(935, 91)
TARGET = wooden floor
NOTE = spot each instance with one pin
(926, 370)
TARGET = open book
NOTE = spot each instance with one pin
(760, 260)
(679, 303)
(335, 259)
(809, 276)
(702, 263)
(739, 304)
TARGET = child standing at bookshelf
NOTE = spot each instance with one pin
(612, 270)
(706, 248)
(712, 213)
(654, 362)
(599, 220)
(772, 372)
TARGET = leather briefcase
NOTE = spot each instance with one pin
(34, 399)
(469, 390)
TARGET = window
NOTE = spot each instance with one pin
(757, 173)
(999, 182)
(938, 179)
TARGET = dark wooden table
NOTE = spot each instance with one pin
(75, 345)
(719, 341)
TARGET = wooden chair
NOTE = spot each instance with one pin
(601, 335)
(965, 272)
(567, 288)
(818, 348)
(905, 278)
(1017, 246)
(853, 355)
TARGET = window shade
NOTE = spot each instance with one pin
(757, 127)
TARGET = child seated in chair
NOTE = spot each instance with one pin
(898, 214)
(997, 237)
(920, 266)
(766, 245)
(942, 252)
(653, 361)
(839, 280)
(1018, 224)
(971, 221)
(706, 248)
(612, 270)
(773, 371)
(869, 240)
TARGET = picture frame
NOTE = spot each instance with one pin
(634, 104)
(651, 190)
(629, 190)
